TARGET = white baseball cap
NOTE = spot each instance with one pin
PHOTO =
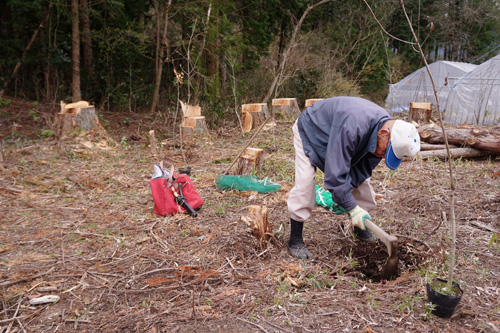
(405, 142)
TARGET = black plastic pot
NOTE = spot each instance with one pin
(445, 305)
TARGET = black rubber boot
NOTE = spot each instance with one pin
(364, 235)
(296, 244)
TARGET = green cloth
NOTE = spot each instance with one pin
(324, 199)
(246, 183)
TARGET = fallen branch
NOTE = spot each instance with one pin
(27, 279)
(483, 226)
(22, 317)
(11, 189)
(433, 232)
(162, 243)
(254, 324)
(118, 240)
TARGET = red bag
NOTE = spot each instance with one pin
(164, 198)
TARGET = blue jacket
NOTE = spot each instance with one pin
(339, 135)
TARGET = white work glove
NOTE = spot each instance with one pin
(358, 216)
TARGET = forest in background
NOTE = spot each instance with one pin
(128, 55)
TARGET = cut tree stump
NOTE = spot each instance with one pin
(420, 112)
(192, 119)
(187, 133)
(310, 101)
(198, 123)
(190, 110)
(479, 138)
(258, 111)
(442, 154)
(152, 142)
(257, 218)
(84, 119)
(251, 160)
(246, 121)
(285, 108)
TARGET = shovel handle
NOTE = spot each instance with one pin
(388, 240)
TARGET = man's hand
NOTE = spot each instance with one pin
(358, 216)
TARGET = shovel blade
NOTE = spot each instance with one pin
(390, 269)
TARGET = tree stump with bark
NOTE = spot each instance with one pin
(251, 160)
(193, 123)
(257, 218)
(152, 142)
(420, 112)
(258, 111)
(246, 121)
(187, 133)
(285, 108)
(310, 101)
(78, 119)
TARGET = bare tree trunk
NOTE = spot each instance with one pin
(46, 65)
(160, 50)
(154, 102)
(200, 53)
(35, 34)
(86, 38)
(75, 52)
(296, 29)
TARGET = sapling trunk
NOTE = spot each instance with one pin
(450, 162)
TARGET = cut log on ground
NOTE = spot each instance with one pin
(256, 218)
(442, 154)
(310, 101)
(80, 119)
(285, 108)
(479, 138)
(430, 146)
(152, 142)
(250, 161)
(420, 112)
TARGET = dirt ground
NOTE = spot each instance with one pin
(77, 221)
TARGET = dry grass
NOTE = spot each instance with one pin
(81, 220)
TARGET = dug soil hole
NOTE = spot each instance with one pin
(372, 257)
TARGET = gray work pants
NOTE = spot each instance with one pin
(303, 194)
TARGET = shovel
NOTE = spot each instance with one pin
(391, 266)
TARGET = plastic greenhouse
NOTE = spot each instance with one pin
(417, 87)
(475, 98)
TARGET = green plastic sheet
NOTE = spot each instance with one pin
(246, 183)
